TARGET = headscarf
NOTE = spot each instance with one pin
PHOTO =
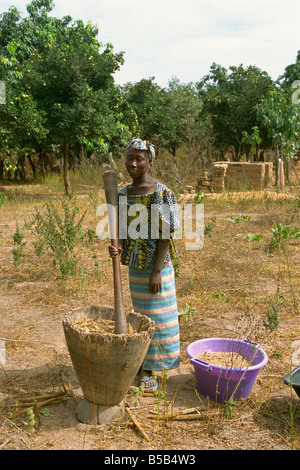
(139, 144)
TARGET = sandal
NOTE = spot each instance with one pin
(154, 387)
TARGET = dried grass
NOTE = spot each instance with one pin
(229, 284)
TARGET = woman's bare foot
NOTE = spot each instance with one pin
(147, 381)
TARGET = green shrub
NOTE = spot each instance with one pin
(19, 244)
(283, 232)
(60, 234)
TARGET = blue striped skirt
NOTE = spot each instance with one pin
(164, 349)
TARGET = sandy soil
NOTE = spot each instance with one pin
(36, 362)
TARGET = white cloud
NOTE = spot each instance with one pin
(163, 38)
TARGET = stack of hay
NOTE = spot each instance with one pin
(245, 175)
(268, 174)
(203, 182)
(189, 189)
(218, 176)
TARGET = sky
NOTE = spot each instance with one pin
(182, 38)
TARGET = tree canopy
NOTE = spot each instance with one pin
(58, 77)
(230, 97)
(61, 97)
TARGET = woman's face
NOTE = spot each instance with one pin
(137, 162)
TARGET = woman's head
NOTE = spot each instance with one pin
(139, 157)
(142, 145)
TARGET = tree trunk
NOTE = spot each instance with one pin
(276, 164)
(281, 174)
(32, 165)
(295, 171)
(41, 164)
(288, 170)
(68, 189)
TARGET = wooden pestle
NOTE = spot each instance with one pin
(110, 179)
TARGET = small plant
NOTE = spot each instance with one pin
(209, 227)
(30, 421)
(271, 320)
(199, 198)
(249, 237)
(283, 232)
(20, 245)
(252, 238)
(222, 297)
(276, 354)
(236, 219)
(30, 424)
(229, 408)
(137, 393)
(61, 235)
(97, 269)
(188, 314)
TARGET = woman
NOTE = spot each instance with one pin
(151, 274)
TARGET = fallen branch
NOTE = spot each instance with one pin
(44, 397)
(187, 417)
(4, 444)
(172, 401)
(53, 401)
(25, 403)
(67, 387)
(184, 415)
(137, 424)
(9, 340)
(194, 417)
(187, 411)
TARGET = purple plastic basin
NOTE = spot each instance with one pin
(225, 383)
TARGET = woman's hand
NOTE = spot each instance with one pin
(155, 282)
(113, 251)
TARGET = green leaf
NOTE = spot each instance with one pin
(45, 412)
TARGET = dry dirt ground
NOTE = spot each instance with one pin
(224, 290)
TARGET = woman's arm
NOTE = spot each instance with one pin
(155, 283)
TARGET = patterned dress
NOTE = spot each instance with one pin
(154, 213)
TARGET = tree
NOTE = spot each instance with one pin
(146, 100)
(62, 68)
(22, 126)
(229, 98)
(280, 118)
(291, 74)
(253, 141)
(169, 117)
(182, 112)
(185, 125)
(21, 123)
(83, 103)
